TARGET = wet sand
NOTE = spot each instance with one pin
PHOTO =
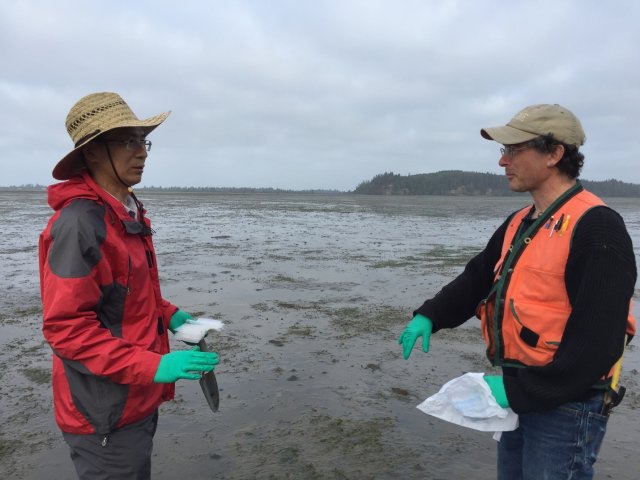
(313, 292)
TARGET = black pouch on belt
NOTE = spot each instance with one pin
(612, 398)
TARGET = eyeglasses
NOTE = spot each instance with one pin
(510, 151)
(132, 144)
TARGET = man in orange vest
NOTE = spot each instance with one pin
(552, 289)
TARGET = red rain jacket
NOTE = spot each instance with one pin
(103, 314)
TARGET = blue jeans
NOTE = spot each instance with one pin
(557, 444)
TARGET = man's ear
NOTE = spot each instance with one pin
(90, 153)
(555, 156)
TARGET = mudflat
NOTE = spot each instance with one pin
(314, 291)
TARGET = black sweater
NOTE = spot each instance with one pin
(600, 279)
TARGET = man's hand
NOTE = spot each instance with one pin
(496, 384)
(177, 319)
(420, 326)
(185, 364)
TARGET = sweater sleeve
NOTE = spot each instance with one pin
(600, 279)
(457, 301)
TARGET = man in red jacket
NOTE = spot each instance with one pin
(103, 314)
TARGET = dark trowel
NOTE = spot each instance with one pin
(208, 383)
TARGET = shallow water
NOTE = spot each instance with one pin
(313, 290)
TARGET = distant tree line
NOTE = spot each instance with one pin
(233, 190)
(36, 187)
(448, 182)
(457, 182)
(26, 187)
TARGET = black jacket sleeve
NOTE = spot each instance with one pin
(600, 279)
(457, 301)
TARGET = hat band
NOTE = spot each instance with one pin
(87, 137)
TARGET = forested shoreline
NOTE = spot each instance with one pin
(457, 182)
(447, 182)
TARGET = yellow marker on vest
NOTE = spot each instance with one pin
(565, 224)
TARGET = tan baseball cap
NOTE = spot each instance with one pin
(537, 120)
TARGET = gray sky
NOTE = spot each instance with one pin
(318, 94)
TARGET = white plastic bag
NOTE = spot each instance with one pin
(193, 331)
(468, 401)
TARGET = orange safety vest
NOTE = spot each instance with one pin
(526, 312)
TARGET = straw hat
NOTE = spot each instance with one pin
(92, 116)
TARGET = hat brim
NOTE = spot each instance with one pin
(71, 164)
(507, 135)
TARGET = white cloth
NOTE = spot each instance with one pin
(193, 331)
(468, 401)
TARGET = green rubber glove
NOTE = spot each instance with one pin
(420, 326)
(177, 319)
(185, 364)
(496, 384)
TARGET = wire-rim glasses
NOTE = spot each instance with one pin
(132, 144)
(510, 151)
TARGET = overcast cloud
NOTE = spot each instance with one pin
(318, 94)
